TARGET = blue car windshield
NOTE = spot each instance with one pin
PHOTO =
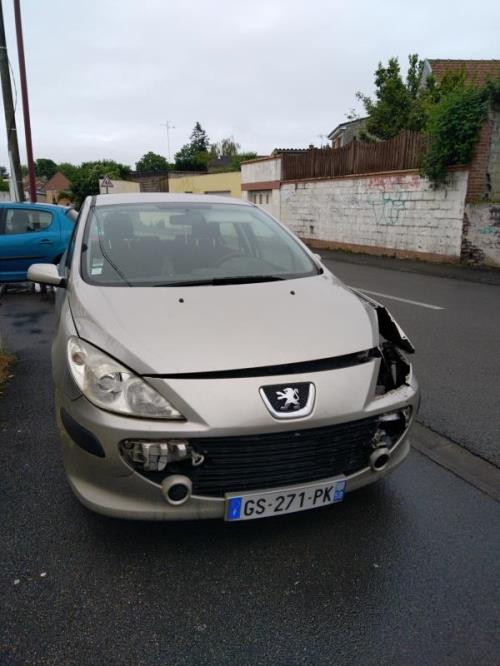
(159, 244)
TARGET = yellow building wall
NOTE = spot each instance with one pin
(208, 183)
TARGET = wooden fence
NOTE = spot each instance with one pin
(404, 151)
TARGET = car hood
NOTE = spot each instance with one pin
(174, 330)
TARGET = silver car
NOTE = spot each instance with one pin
(208, 365)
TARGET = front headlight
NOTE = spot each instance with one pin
(107, 384)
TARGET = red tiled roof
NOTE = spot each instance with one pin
(58, 182)
(476, 71)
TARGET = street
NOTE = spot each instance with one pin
(403, 572)
(456, 360)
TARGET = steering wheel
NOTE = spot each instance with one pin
(230, 255)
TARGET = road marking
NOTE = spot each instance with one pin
(403, 300)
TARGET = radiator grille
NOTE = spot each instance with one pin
(234, 464)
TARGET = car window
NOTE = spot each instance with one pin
(140, 244)
(25, 220)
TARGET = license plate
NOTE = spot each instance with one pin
(249, 506)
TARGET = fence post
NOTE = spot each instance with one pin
(350, 167)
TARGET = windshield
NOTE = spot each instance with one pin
(187, 244)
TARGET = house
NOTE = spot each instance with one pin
(40, 188)
(477, 72)
(346, 132)
(57, 189)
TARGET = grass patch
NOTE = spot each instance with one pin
(6, 363)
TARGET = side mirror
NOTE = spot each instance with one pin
(46, 274)
(318, 257)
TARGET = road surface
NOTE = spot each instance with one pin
(404, 572)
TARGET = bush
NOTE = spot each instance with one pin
(453, 125)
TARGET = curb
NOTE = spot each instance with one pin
(469, 467)
(489, 276)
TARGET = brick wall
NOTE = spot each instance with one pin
(477, 189)
(395, 213)
(494, 159)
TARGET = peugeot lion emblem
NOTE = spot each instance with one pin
(289, 401)
(290, 396)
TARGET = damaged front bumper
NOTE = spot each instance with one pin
(120, 484)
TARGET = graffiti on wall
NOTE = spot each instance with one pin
(388, 207)
(388, 202)
(493, 228)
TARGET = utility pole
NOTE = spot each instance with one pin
(10, 118)
(169, 126)
(24, 93)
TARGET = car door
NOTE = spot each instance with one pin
(28, 235)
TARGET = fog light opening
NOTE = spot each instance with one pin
(379, 459)
(177, 489)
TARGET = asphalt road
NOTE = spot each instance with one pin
(405, 572)
(457, 358)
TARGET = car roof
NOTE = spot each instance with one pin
(164, 197)
(38, 204)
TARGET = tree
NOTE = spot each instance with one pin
(4, 174)
(45, 168)
(187, 160)
(194, 156)
(226, 147)
(85, 180)
(199, 140)
(398, 104)
(152, 162)
(241, 157)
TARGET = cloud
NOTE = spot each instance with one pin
(103, 75)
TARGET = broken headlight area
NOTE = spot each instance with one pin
(394, 369)
(388, 327)
(390, 429)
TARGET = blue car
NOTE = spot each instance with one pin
(32, 233)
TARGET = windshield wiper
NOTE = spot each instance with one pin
(235, 279)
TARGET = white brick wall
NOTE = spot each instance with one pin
(263, 171)
(391, 211)
(273, 207)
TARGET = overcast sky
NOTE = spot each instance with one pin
(104, 74)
